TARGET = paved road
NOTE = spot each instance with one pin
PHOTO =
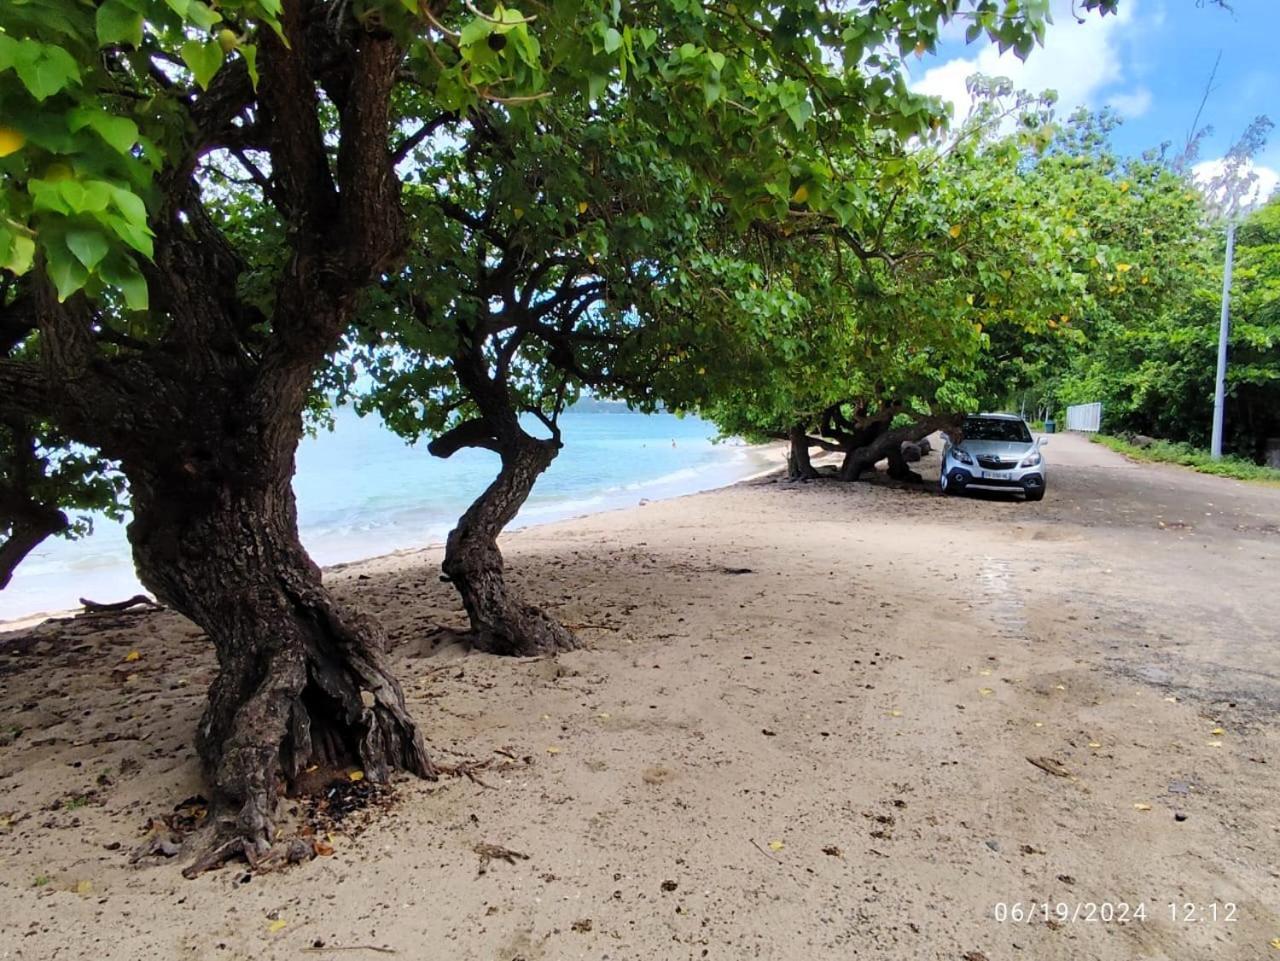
(1185, 566)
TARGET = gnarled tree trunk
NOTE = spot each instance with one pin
(301, 682)
(502, 621)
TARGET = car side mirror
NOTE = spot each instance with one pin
(1044, 442)
(946, 438)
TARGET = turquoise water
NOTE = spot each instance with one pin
(362, 492)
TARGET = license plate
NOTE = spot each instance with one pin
(993, 474)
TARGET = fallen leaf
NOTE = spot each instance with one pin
(895, 714)
(84, 887)
(985, 672)
(277, 925)
(1094, 744)
(985, 691)
(553, 750)
(133, 656)
(1214, 743)
(603, 717)
(1171, 699)
(1061, 687)
(776, 845)
(356, 776)
(1142, 807)
(1038, 724)
(322, 848)
(1217, 732)
(1275, 943)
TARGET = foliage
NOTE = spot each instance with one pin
(1172, 452)
(1154, 369)
(976, 255)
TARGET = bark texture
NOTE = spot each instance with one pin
(502, 621)
(301, 682)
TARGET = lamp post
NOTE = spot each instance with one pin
(1224, 331)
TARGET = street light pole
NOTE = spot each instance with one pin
(1224, 330)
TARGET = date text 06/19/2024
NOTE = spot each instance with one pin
(1114, 912)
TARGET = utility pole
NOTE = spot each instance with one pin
(1224, 331)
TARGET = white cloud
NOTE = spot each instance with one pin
(1132, 104)
(1262, 189)
(1078, 60)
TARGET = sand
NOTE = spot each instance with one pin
(826, 756)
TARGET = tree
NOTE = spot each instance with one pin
(179, 335)
(877, 345)
(574, 249)
(1146, 346)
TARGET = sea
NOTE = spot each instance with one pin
(362, 492)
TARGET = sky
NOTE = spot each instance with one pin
(1150, 62)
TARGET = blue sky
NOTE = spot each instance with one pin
(1151, 63)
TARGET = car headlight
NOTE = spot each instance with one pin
(961, 455)
(1031, 460)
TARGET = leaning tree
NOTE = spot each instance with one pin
(593, 243)
(196, 199)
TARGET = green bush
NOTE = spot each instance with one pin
(1170, 452)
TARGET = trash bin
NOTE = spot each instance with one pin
(1050, 426)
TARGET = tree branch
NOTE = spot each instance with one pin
(471, 433)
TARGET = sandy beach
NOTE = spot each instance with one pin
(812, 721)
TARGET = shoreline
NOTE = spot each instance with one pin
(34, 619)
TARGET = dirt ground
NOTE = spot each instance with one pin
(816, 721)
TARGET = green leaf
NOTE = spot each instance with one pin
(475, 31)
(121, 273)
(612, 40)
(45, 69)
(65, 270)
(21, 251)
(250, 53)
(88, 244)
(202, 15)
(117, 23)
(800, 113)
(204, 58)
(120, 132)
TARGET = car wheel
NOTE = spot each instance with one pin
(1036, 495)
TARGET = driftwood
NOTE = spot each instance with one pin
(138, 600)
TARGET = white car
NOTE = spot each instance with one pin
(997, 453)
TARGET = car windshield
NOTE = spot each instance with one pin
(991, 428)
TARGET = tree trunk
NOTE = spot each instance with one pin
(300, 682)
(502, 621)
(28, 527)
(898, 468)
(799, 467)
(863, 450)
